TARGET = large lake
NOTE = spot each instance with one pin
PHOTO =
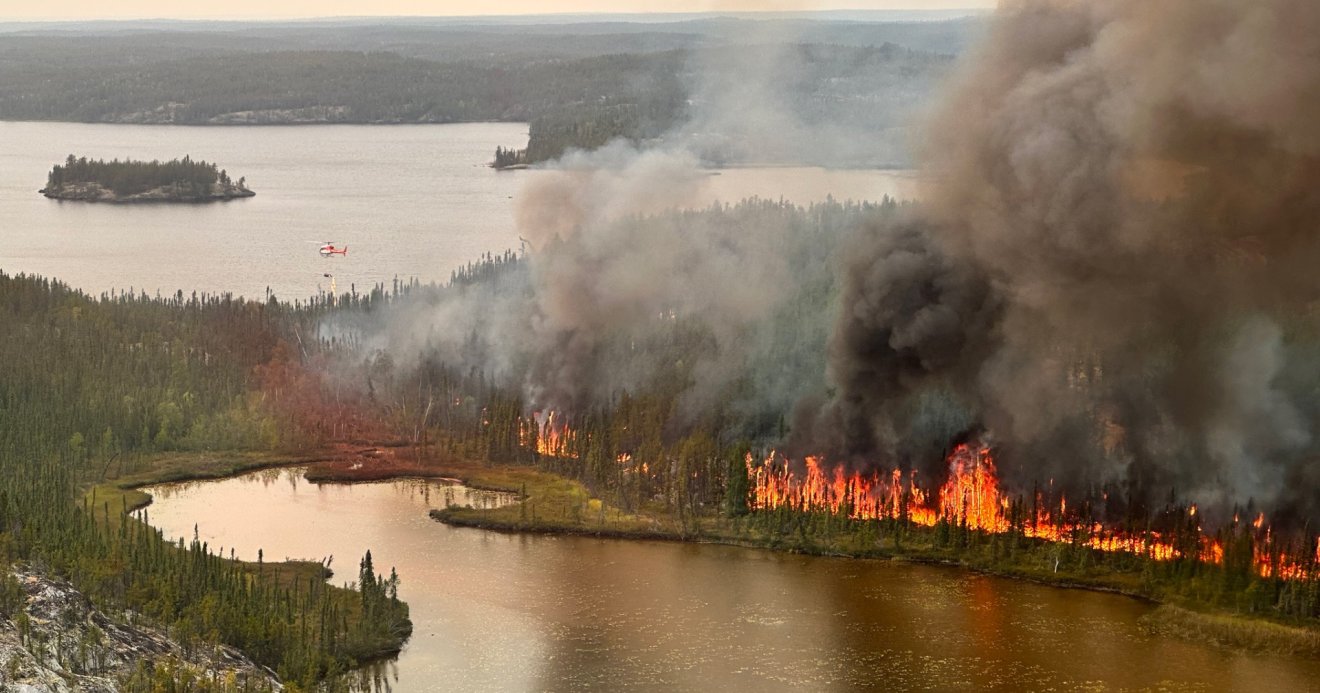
(500, 612)
(408, 201)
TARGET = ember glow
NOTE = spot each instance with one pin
(971, 498)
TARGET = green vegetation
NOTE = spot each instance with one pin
(1233, 631)
(508, 158)
(124, 387)
(179, 178)
(576, 91)
(549, 503)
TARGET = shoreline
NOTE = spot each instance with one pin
(183, 468)
(97, 193)
(1191, 622)
(1205, 625)
(454, 517)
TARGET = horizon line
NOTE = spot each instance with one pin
(661, 14)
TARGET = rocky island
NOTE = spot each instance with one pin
(178, 180)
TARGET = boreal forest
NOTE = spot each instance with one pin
(101, 393)
(579, 85)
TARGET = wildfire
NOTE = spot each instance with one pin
(552, 435)
(971, 498)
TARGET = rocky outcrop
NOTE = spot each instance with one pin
(183, 114)
(284, 116)
(95, 192)
(57, 642)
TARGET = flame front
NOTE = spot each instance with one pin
(971, 498)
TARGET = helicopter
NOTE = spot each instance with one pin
(328, 248)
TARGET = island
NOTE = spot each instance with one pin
(510, 159)
(178, 180)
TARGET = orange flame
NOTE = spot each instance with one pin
(553, 436)
(971, 498)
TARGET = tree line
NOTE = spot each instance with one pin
(129, 177)
(92, 389)
(577, 102)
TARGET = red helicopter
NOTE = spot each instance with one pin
(328, 249)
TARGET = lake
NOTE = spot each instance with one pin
(502, 612)
(408, 201)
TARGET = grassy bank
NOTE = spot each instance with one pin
(550, 504)
(1233, 631)
(119, 489)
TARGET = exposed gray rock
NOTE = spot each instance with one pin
(59, 643)
(284, 116)
(95, 192)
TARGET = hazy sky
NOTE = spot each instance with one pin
(258, 9)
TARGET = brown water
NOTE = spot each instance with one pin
(498, 612)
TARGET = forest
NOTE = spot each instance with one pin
(129, 177)
(100, 391)
(576, 91)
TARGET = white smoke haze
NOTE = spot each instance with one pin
(772, 100)
(589, 189)
(1257, 427)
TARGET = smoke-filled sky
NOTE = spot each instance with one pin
(263, 9)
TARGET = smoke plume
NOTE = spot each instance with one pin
(1122, 219)
(1110, 274)
(626, 289)
(608, 282)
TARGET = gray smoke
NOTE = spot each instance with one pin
(767, 98)
(608, 280)
(626, 289)
(618, 276)
(1134, 187)
(1111, 272)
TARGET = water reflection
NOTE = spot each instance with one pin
(505, 612)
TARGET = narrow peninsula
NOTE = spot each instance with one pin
(178, 180)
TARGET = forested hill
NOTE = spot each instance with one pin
(486, 41)
(327, 87)
(578, 85)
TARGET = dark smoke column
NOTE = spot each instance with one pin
(1136, 187)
